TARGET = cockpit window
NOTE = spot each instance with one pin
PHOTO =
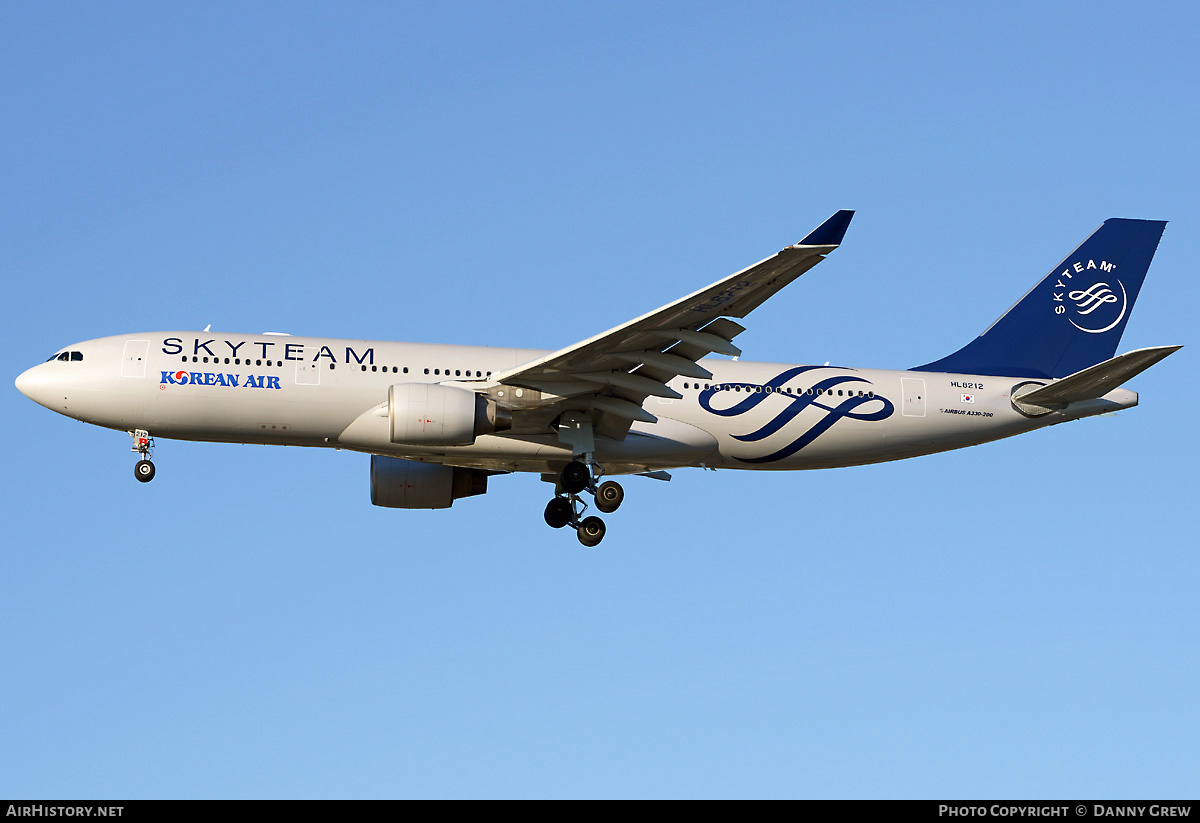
(76, 355)
(52, 357)
(66, 356)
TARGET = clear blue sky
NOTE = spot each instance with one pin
(1013, 620)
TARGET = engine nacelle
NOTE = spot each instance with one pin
(429, 414)
(407, 484)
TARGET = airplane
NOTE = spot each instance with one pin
(644, 398)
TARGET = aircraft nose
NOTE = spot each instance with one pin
(25, 382)
(33, 384)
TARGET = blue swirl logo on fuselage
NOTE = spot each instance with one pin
(819, 399)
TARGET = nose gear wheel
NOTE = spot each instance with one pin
(143, 443)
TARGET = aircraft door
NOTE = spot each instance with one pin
(133, 361)
(308, 374)
(913, 389)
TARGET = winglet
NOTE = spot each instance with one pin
(831, 232)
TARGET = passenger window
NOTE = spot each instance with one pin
(457, 373)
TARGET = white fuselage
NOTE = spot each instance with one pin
(309, 391)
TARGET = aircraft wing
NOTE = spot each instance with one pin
(614, 372)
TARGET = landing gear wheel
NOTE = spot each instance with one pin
(575, 477)
(559, 512)
(143, 470)
(609, 496)
(591, 531)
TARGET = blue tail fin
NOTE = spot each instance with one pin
(1074, 317)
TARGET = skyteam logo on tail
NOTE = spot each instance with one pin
(1096, 308)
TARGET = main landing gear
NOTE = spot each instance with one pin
(567, 507)
(143, 470)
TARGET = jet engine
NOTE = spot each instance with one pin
(428, 414)
(407, 484)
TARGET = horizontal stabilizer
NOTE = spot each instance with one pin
(1096, 381)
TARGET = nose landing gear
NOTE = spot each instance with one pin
(143, 470)
(567, 507)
